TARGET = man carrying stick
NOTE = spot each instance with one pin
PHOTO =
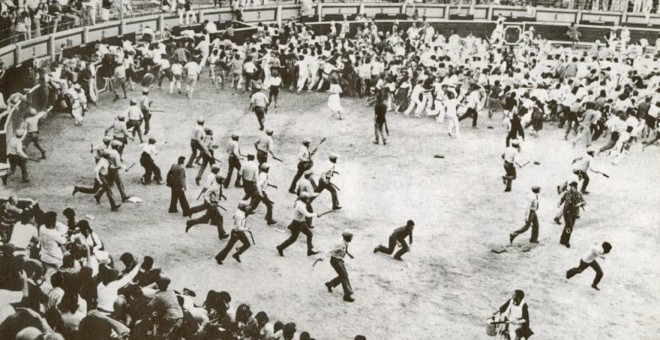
(237, 234)
(260, 194)
(325, 184)
(212, 199)
(531, 219)
(264, 146)
(509, 157)
(299, 225)
(398, 236)
(337, 255)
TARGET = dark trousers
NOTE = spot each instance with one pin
(302, 167)
(296, 228)
(207, 158)
(342, 277)
(178, 197)
(194, 146)
(114, 178)
(235, 237)
(33, 138)
(135, 125)
(511, 136)
(18, 161)
(234, 163)
(323, 185)
(379, 132)
(585, 179)
(269, 206)
(614, 137)
(250, 189)
(105, 186)
(150, 169)
(569, 222)
(392, 245)
(470, 113)
(532, 221)
(583, 265)
(261, 116)
(510, 174)
(212, 215)
(147, 119)
(262, 157)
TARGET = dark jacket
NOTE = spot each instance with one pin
(176, 177)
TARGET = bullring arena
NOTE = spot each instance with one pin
(462, 264)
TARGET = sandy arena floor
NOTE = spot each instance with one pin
(450, 282)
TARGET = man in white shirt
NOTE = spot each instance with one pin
(107, 290)
(325, 184)
(147, 162)
(589, 260)
(261, 195)
(192, 69)
(530, 218)
(237, 234)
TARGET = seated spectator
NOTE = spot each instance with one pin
(107, 290)
(51, 242)
(56, 292)
(36, 299)
(166, 306)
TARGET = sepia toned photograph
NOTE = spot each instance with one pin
(329, 170)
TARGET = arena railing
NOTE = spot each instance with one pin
(43, 49)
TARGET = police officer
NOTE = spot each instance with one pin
(238, 233)
(299, 225)
(16, 156)
(147, 161)
(98, 149)
(207, 153)
(102, 182)
(262, 196)
(212, 204)
(398, 236)
(509, 157)
(145, 106)
(119, 131)
(248, 172)
(264, 146)
(196, 141)
(233, 161)
(304, 164)
(325, 184)
(113, 171)
(306, 191)
(32, 126)
(337, 262)
(134, 119)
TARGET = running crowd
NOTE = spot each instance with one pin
(609, 90)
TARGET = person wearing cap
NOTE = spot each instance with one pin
(101, 181)
(32, 127)
(238, 233)
(145, 106)
(572, 201)
(165, 306)
(212, 197)
(98, 149)
(337, 254)
(113, 171)
(147, 162)
(326, 184)
(509, 156)
(589, 260)
(264, 146)
(259, 103)
(119, 131)
(134, 114)
(304, 164)
(16, 156)
(299, 225)
(209, 181)
(176, 180)
(233, 161)
(208, 145)
(248, 173)
(398, 236)
(531, 219)
(260, 194)
(581, 169)
(196, 141)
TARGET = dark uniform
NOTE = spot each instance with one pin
(572, 201)
(264, 146)
(297, 226)
(398, 236)
(212, 198)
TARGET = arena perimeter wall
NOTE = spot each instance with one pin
(551, 23)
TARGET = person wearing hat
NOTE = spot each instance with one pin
(572, 201)
(166, 306)
(260, 194)
(325, 184)
(233, 161)
(196, 141)
(531, 219)
(589, 260)
(145, 106)
(509, 157)
(299, 225)
(337, 255)
(259, 103)
(208, 145)
(176, 180)
(32, 127)
(98, 149)
(209, 181)
(113, 170)
(135, 117)
(147, 162)
(264, 146)
(212, 198)
(102, 182)
(16, 156)
(581, 169)
(304, 164)
(398, 236)
(238, 233)
(119, 131)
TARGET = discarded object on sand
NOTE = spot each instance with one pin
(134, 199)
(439, 156)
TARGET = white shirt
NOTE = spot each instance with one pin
(51, 241)
(192, 68)
(593, 253)
(150, 149)
(107, 294)
(22, 234)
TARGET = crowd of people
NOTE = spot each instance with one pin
(608, 90)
